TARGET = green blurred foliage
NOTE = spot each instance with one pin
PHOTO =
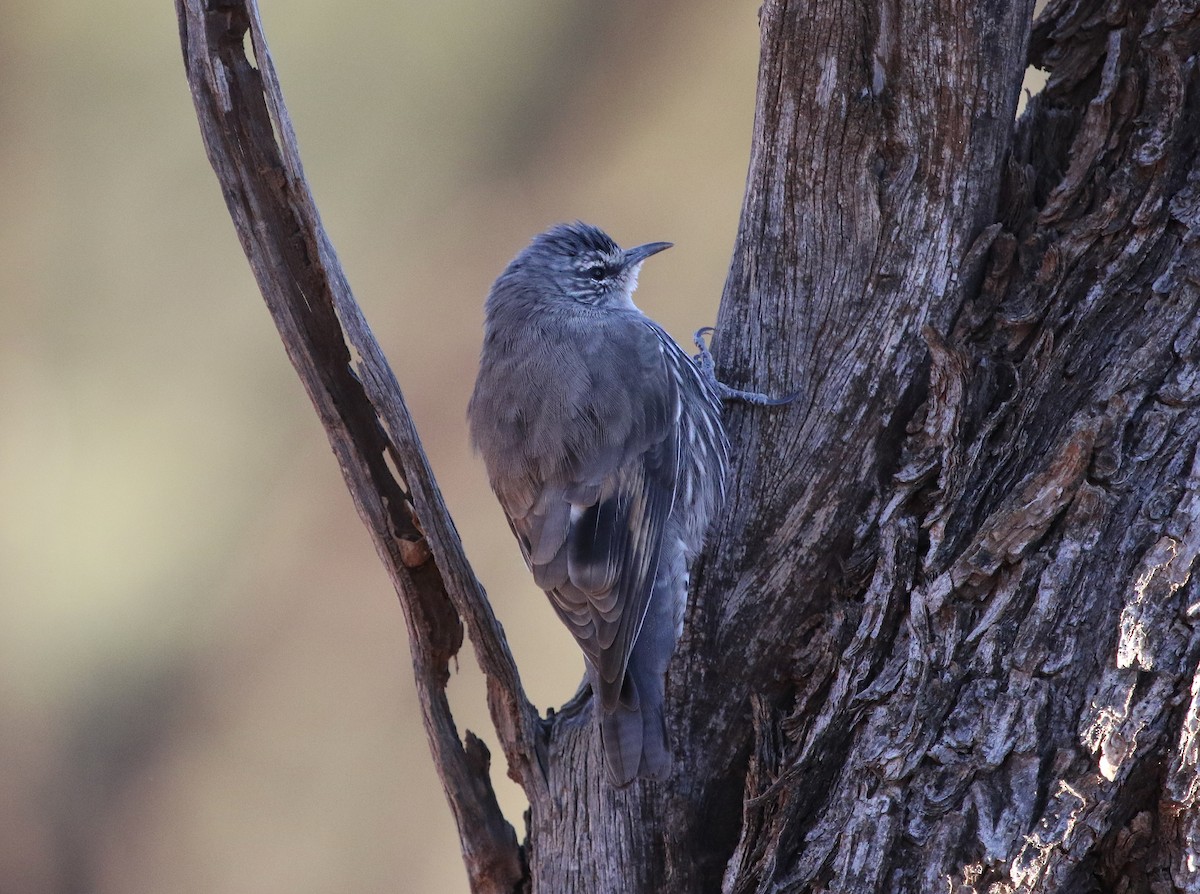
(204, 684)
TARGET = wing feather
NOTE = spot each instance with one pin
(592, 534)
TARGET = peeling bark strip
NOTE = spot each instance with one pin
(947, 635)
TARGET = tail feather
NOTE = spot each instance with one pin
(634, 737)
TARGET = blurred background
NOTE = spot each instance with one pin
(204, 680)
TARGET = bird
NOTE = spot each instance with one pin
(604, 444)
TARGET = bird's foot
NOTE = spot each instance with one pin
(704, 360)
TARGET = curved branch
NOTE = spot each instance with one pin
(252, 147)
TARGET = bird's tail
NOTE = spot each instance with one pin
(633, 736)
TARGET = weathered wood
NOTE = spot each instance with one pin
(252, 148)
(991, 721)
(945, 635)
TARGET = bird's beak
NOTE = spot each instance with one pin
(639, 253)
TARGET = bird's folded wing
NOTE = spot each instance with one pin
(593, 538)
(597, 560)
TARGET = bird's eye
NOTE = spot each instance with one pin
(596, 273)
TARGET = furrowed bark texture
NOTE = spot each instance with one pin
(944, 637)
(981, 627)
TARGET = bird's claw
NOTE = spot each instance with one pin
(704, 360)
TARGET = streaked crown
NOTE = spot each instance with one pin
(576, 262)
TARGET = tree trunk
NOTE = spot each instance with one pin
(944, 636)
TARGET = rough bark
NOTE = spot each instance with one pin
(944, 637)
(987, 688)
(252, 147)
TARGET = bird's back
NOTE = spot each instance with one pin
(556, 402)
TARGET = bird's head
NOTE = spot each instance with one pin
(577, 262)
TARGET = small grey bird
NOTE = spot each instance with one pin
(604, 444)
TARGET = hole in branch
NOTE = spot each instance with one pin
(1031, 85)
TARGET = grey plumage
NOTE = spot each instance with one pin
(604, 445)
